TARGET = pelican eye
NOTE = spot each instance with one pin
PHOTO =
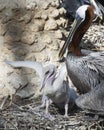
(46, 72)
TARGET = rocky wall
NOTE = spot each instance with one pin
(33, 32)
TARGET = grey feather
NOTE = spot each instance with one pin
(93, 101)
(37, 66)
(87, 74)
(80, 68)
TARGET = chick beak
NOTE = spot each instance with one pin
(43, 84)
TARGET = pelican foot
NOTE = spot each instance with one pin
(66, 116)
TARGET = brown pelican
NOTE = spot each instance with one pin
(72, 5)
(86, 70)
(53, 84)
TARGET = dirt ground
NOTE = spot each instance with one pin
(20, 114)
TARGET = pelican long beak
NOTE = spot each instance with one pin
(75, 26)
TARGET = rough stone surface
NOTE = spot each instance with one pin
(50, 25)
(54, 13)
(31, 4)
(47, 39)
(28, 38)
(35, 26)
(38, 47)
(62, 22)
(58, 34)
(62, 11)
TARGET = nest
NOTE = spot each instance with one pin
(20, 114)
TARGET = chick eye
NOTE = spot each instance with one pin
(46, 72)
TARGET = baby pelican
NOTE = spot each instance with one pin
(54, 85)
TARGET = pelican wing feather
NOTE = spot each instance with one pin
(37, 66)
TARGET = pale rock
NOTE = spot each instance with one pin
(3, 29)
(27, 18)
(54, 56)
(43, 56)
(13, 4)
(6, 19)
(28, 38)
(39, 25)
(59, 22)
(4, 69)
(54, 46)
(54, 13)
(36, 26)
(19, 51)
(51, 24)
(61, 43)
(62, 22)
(38, 47)
(36, 40)
(2, 7)
(1, 41)
(31, 4)
(6, 54)
(5, 88)
(47, 39)
(17, 80)
(62, 11)
(31, 57)
(44, 16)
(46, 5)
(55, 3)
(58, 34)
(7, 16)
(11, 38)
(38, 14)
